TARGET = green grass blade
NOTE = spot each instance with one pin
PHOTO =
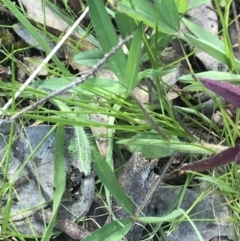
(200, 238)
(114, 231)
(12, 7)
(59, 179)
(7, 210)
(108, 178)
(174, 214)
(223, 76)
(107, 37)
(224, 22)
(134, 59)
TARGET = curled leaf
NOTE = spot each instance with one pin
(222, 158)
(230, 92)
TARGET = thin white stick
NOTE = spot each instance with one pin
(39, 68)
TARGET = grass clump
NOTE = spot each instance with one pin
(159, 127)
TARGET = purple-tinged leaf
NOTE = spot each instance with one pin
(231, 93)
(222, 158)
(237, 158)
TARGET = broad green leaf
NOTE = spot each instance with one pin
(89, 58)
(114, 231)
(108, 178)
(182, 6)
(102, 87)
(163, 148)
(134, 60)
(90, 87)
(107, 37)
(207, 47)
(59, 179)
(81, 149)
(173, 215)
(153, 73)
(168, 13)
(153, 152)
(165, 14)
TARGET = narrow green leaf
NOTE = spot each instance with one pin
(159, 40)
(153, 73)
(225, 186)
(223, 76)
(81, 149)
(59, 179)
(200, 238)
(7, 209)
(208, 47)
(134, 59)
(108, 178)
(107, 37)
(114, 231)
(126, 24)
(173, 215)
(204, 35)
(4, 178)
(196, 3)
(59, 168)
(169, 12)
(207, 42)
(211, 49)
